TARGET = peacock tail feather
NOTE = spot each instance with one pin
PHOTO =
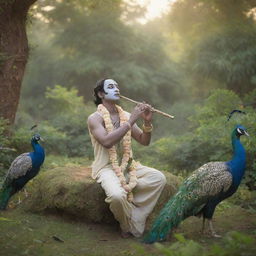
(206, 182)
(202, 191)
(5, 195)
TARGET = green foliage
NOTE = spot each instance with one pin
(225, 51)
(88, 41)
(53, 161)
(62, 123)
(7, 151)
(233, 244)
(63, 100)
(208, 138)
(244, 197)
(228, 56)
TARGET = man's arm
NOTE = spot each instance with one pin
(107, 140)
(143, 137)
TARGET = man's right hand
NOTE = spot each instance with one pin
(137, 112)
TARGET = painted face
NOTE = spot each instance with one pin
(111, 89)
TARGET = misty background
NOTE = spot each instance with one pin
(194, 59)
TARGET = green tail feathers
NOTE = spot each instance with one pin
(169, 218)
(5, 194)
(179, 207)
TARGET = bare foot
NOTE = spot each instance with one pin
(125, 234)
(215, 235)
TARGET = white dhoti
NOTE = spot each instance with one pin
(132, 216)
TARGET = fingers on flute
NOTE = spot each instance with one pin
(145, 107)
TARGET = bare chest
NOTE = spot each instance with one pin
(115, 120)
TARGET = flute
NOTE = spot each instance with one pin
(152, 109)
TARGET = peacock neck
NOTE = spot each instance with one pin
(237, 163)
(38, 154)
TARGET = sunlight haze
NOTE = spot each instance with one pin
(155, 8)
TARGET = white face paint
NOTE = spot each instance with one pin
(111, 89)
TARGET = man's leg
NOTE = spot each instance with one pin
(116, 197)
(149, 187)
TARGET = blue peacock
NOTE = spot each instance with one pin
(202, 192)
(25, 167)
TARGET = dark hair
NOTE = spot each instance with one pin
(98, 88)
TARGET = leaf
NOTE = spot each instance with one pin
(5, 219)
(180, 238)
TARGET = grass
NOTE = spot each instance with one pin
(53, 161)
(30, 234)
(25, 233)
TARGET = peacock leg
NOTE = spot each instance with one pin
(213, 233)
(25, 192)
(203, 226)
(19, 199)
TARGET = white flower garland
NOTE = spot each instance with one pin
(119, 170)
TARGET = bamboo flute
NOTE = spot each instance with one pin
(152, 109)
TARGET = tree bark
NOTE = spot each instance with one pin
(13, 54)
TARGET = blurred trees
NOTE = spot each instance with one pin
(210, 139)
(218, 41)
(13, 54)
(89, 40)
(63, 127)
(63, 123)
(198, 63)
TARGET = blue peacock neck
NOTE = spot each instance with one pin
(38, 154)
(237, 163)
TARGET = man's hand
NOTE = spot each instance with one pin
(141, 110)
(147, 114)
(136, 113)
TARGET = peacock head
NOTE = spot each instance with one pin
(240, 130)
(36, 137)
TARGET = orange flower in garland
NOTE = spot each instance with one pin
(119, 170)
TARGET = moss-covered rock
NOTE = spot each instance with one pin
(71, 191)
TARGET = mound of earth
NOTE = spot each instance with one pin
(71, 191)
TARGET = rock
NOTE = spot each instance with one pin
(71, 191)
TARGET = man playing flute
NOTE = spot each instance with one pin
(131, 189)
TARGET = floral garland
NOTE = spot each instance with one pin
(119, 170)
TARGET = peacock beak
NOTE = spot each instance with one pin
(41, 139)
(246, 133)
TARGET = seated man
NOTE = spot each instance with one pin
(132, 189)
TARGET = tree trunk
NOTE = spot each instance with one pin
(13, 54)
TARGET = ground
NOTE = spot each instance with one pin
(24, 233)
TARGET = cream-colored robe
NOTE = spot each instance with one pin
(131, 216)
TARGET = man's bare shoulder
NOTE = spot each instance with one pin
(94, 118)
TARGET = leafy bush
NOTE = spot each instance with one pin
(233, 244)
(7, 152)
(210, 138)
(62, 123)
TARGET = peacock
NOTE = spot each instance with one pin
(24, 167)
(202, 192)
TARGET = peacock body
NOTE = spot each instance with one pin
(24, 167)
(202, 191)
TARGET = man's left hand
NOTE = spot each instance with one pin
(147, 114)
